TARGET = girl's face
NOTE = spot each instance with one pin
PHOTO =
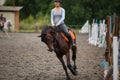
(57, 4)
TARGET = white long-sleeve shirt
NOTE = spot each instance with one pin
(57, 17)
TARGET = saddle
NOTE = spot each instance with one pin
(71, 34)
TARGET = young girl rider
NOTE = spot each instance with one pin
(57, 20)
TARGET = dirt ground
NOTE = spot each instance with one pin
(24, 57)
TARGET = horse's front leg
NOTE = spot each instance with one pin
(64, 67)
(69, 64)
(6, 33)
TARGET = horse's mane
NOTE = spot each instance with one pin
(44, 30)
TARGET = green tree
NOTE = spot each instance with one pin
(77, 11)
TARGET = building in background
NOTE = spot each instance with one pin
(11, 13)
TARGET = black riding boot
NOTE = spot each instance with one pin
(70, 42)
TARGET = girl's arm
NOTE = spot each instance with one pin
(52, 18)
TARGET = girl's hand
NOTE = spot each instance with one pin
(53, 25)
(56, 25)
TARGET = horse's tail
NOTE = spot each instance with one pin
(75, 37)
(74, 47)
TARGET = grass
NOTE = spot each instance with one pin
(75, 30)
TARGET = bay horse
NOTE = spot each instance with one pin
(53, 38)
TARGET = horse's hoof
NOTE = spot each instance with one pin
(74, 67)
(68, 79)
(75, 73)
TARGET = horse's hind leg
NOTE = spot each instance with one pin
(64, 67)
(69, 65)
(74, 51)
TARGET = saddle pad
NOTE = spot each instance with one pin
(71, 34)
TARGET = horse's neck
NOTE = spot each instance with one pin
(59, 39)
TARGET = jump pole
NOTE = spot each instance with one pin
(115, 58)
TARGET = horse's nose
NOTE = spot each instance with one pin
(50, 48)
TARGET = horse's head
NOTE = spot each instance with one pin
(48, 37)
(8, 22)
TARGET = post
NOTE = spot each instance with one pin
(115, 58)
(107, 39)
(16, 20)
(37, 27)
(89, 31)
